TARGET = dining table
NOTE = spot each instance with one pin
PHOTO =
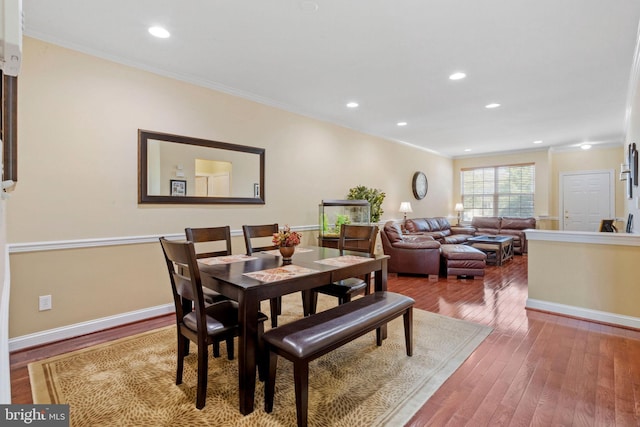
(263, 275)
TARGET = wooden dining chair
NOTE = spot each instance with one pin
(207, 236)
(215, 241)
(256, 234)
(207, 324)
(358, 238)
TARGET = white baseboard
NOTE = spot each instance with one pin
(84, 328)
(584, 313)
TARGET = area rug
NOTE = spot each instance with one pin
(131, 381)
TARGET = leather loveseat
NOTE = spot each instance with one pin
(439, 228)
(411, 254)
(505, 226)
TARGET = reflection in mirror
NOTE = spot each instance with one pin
(178, 169)
(213, 178)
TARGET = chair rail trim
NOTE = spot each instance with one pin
(112, 241)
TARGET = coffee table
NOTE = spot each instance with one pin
(498, 248)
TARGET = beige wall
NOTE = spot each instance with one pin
(79, 117)
(592, 276)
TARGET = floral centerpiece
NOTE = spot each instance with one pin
(287, 240)
(286, 237)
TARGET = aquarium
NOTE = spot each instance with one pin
(334, 213)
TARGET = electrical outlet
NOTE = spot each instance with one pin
(44, 302)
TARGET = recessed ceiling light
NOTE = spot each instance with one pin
(537, 142)
(159, 32)
(457, 76)
(493, 105)
(585, 146)
(308, 6)
(402, 123)
(467, 149)
(352, 104)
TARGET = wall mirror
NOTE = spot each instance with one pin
(185, 170)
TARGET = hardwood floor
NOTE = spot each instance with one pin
(533, 369)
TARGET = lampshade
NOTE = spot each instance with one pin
(405, 207)
(459, 207)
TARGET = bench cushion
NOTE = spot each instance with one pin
(309, 335)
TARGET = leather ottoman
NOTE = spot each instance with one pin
(462, 260)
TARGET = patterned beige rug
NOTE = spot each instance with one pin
(131, 381)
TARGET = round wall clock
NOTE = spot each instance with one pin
(420, 185)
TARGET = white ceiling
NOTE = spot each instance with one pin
(559, 68)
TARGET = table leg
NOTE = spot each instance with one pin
(380, 284)
(248, 306)
(309, 302)
(507, 251)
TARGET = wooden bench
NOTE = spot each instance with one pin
(306, 339)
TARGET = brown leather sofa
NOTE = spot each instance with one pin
(412, 254)
(505, 226)
(439, 228)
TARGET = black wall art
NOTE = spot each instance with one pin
(632, 159)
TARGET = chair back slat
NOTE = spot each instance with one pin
(360, 238)
(258, 231)
(210, 235)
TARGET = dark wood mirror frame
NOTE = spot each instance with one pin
(143, 197)
(9, 126)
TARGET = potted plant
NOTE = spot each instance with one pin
(374, 196)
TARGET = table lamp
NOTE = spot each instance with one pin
(404, 208)
(459, 208)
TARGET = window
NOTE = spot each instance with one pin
(498, 191)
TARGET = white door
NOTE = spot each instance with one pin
(586, 198)
(201, 186)
(220, 185)
(214, 185)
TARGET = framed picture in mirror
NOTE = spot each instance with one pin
(178, 188)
